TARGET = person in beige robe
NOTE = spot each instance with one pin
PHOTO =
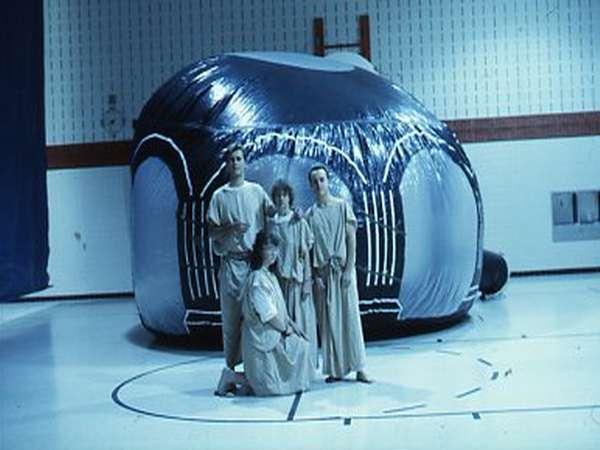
(333, 224)
(276, 354)
(293, 262)
(236, 213)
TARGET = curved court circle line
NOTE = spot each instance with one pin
(115, 397)
(183, 418)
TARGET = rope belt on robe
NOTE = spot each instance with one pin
(237, 256)
(331, 273)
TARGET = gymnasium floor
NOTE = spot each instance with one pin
(522, 372)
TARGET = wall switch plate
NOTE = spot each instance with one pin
(563, 208)
(587, 206)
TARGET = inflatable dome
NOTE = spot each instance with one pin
(419, 236)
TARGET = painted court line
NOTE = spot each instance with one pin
(472, 391)
(406, 408)
(483, 361)
(480, 412)
(294, 407)
(449, 352)
(507, 339)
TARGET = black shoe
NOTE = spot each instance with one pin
(361, 377)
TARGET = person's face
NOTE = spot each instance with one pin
(235, 163)
(319, 183)
(269, 254)
(282, 201)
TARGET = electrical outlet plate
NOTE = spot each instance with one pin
(587, 206)
(576, 216)
(563, 208)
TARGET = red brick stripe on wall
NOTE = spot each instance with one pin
(89, 154)
(527, 127)
(98, 154)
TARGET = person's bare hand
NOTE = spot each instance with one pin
(306, 288)
(296, 214)
(346, 277)
(238, 228)
(297, 330)
(270, 210)
(319, 284)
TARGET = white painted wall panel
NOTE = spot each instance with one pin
(516, 180)
(89, 236)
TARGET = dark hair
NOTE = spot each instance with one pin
(263, 238)
(282, 186)
(315, 168)
(233, 148)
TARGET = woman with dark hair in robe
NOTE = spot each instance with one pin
(276, 354)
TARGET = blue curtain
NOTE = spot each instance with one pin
(23, 197)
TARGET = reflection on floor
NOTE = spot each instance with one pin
(521, 372)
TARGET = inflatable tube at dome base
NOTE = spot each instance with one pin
(494, 275)
(377, 328)
(200, 339)
(391, 327)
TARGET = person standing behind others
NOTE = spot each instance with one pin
(236, 214)
(333, 224)
(293, 262)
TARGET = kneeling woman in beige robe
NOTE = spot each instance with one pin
(276, 354)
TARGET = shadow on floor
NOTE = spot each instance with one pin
(141, 337)
(376, 330)
(211, 340)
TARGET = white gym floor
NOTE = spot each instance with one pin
(521, 372)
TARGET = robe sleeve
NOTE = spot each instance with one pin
(261, 303)
(350, 217)
(274, 227)
(212, 215)
(307, 238)
(266, 201)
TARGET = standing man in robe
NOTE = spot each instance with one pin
(336, 293)
(236, 214)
